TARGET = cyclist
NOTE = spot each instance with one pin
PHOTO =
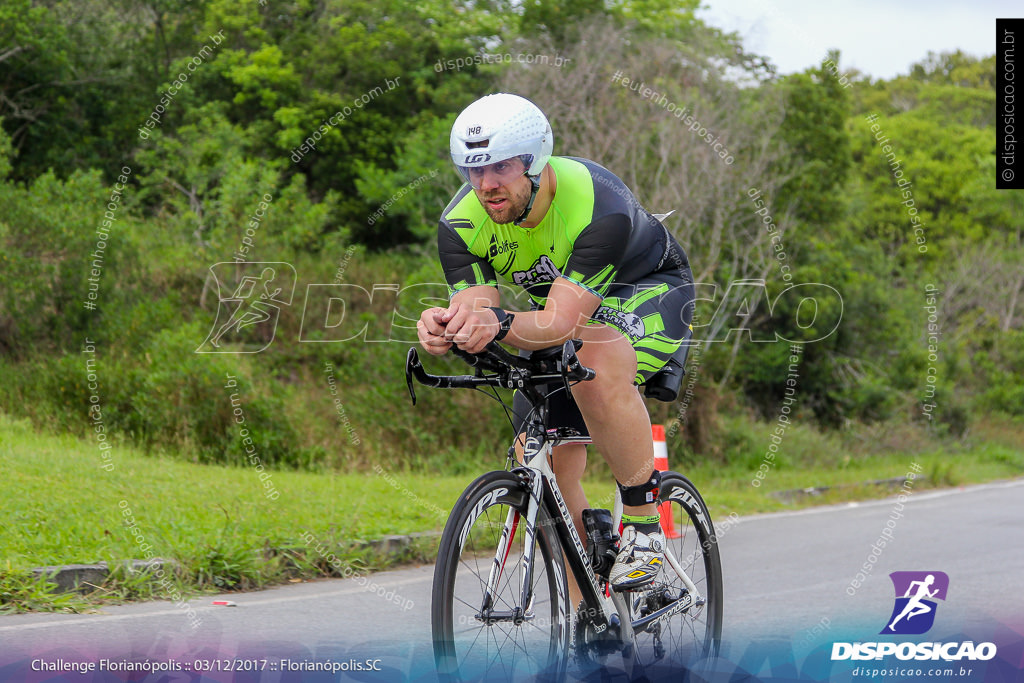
(597, 267)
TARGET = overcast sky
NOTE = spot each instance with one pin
(879, 37)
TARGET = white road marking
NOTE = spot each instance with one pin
(912, 498)
(205, 608)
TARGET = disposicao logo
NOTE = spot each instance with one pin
(914, 611)
(913, 614)
(250, 297)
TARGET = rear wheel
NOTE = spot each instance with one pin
(483, 633)
(677, 643)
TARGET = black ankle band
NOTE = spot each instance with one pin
(641, 494)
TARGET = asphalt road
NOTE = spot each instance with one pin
(787, 576)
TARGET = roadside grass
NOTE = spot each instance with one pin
(730, 490)
(216, 522)
(223, 532)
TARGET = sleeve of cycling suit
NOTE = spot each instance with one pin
(598, 252)
(462, 269)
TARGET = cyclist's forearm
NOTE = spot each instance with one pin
(532, 330)
(477, 298)
(567, 309)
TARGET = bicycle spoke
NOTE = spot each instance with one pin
(497, 655)
(466, 603)
(479, 633)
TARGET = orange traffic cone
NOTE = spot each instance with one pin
(668, 524)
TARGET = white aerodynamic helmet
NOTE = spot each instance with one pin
(498, 127)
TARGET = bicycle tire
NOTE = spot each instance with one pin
(538, 646)
(695, 635)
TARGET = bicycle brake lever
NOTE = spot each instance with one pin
(568, 356)
(571, 363)
(412, 362)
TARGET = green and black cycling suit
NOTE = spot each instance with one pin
(596, 235)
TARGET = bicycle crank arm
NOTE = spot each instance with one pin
(627, 631)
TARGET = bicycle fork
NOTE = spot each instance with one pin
(500, 558)
(515, 521)
(533, 480)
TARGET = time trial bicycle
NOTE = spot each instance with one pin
(500, 604)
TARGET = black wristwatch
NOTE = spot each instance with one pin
(504, 322)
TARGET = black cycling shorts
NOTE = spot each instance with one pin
(654, 314)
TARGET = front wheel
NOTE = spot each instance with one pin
(481, 628)
(679, 642)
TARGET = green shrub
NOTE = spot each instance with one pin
(22, 591)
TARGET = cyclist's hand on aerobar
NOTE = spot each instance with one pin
(431, 332)
(470, 330)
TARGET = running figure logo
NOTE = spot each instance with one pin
(249, 315)
(914, 611)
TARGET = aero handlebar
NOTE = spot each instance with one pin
(498, 368)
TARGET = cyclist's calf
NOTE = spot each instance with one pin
(568, 462)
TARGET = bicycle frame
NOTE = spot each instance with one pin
(537, 472)
(603, 611)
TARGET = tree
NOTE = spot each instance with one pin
(71, 97)
(814, 130)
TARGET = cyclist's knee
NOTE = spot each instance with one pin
(568, 461)
(612, 356)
